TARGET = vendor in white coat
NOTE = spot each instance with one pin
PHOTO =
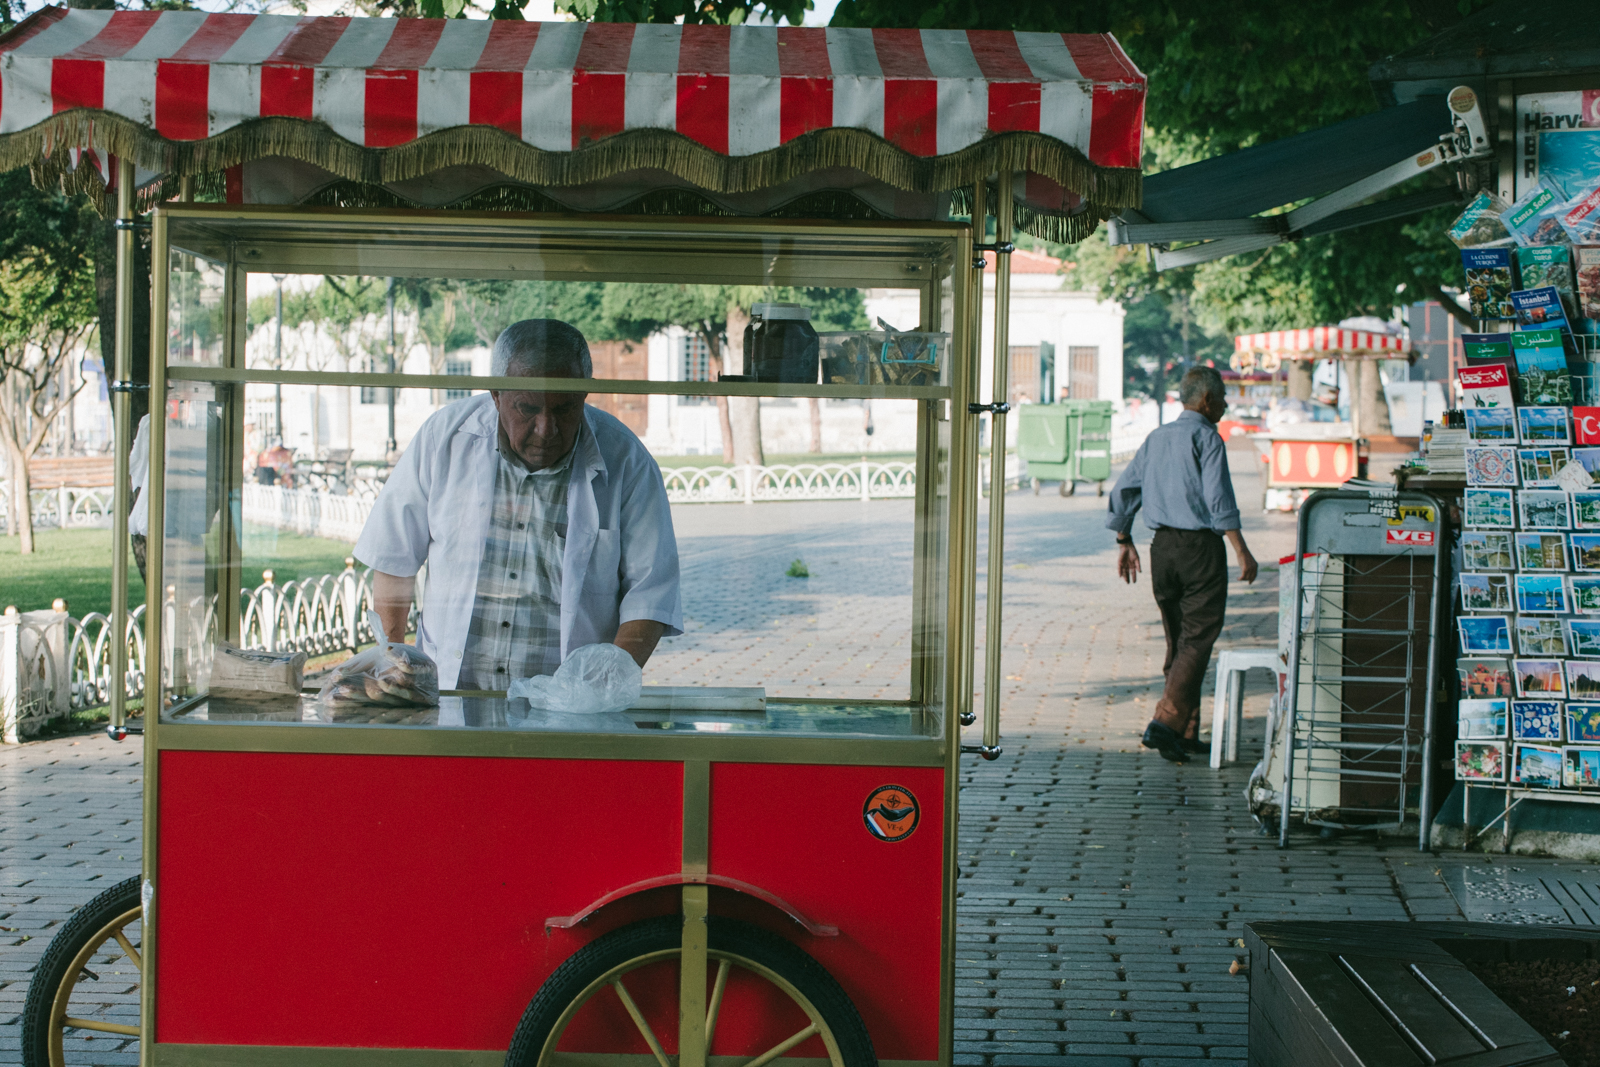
(543, 521)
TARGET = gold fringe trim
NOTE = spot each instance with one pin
(44, 149)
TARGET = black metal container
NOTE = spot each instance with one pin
(780, 345)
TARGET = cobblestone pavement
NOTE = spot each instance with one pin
(1103, 889)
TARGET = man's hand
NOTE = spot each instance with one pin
(1128, 563)
(1241, 552)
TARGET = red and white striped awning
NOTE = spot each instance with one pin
(1267, 350)
(729, 110)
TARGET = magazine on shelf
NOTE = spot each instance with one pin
(1488, 282)
(1487, 385)
(1546, 265)
(1586, 280)
(1580, 216)
(1535, 218)
(1540, 309)
(1542, 375)
(1480, 223)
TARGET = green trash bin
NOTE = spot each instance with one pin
(1069, 442)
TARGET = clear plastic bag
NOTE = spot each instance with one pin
(390, 674)
(595, 680)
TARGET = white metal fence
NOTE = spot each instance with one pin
(52, 664)
(80, 506)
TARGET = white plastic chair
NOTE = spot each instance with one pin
(1227, 704)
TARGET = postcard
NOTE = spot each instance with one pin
(1542, 373)
(1543, 425)
(1538, 677)
(1483, 678)
(1536, 720)
(1585, 593)
(1590, 458)
(1492, 424)
(1581, 768)
(1537, 466)
(1583, 679)
(1537, 767)
(1585, 551)
(1583, 723)
(1539, 636)
(1493, 465)
(1486, 635)
(1583, 635)
(1481, 761)
(1541, 509)
(1486, 592)
(1540, 551)
(1490, 508)
(1541, 593)
(1490, 550)
(1481, 720)
(1586, 509)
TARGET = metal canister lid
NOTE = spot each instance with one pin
(780, 311)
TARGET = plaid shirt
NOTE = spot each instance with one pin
(516, 617)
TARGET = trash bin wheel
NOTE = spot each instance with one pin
(97, 950)
(1099, 488)
(1036, 487)
(601, 967)
(1068, 487)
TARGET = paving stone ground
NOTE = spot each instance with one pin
(1102, 889)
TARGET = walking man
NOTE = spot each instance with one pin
(1180, 477)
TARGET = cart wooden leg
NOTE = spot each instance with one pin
(692, 1021)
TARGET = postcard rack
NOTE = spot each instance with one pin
(1514, 796)
(1357, 743)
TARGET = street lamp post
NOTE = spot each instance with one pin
(277, 362)
(389, 445)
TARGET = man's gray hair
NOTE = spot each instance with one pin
(1198, 384)
(541, 348)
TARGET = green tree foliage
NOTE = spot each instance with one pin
(47, 310)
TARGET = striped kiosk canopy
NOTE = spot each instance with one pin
(1267, 351)
(576, 116)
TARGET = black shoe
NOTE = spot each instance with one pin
(1165, 741)
(1191, 744)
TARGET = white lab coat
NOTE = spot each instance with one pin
(621, 559)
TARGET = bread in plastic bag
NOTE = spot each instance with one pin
(595, 680)
(390, 674)
(256, 676)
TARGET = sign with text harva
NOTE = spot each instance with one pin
(1558, 137)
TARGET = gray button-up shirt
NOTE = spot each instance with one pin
(1180, 477)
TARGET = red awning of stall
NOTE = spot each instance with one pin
(430, 111)
(1268, 350)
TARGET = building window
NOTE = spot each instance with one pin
(463, 368)
(696, 365)
(1083, 372)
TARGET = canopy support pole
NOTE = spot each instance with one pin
(121, 411)
(999, 405)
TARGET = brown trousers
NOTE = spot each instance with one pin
(1189, 574)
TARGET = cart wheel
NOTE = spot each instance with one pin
(731, 944)
(1068, 487)
(1036, 487)
(81, 983)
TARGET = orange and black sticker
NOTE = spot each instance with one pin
(891, 812)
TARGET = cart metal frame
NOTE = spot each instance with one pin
(1355, 536)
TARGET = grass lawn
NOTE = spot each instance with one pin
(76, 564)
(775, 459)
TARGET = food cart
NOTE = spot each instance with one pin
(1302, 457)
(747, 869)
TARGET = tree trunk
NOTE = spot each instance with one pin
(744, 412)
(714, 368)
(1367, 390)
(816, 424)
(21, 500)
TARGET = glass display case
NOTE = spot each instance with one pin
(826, 592)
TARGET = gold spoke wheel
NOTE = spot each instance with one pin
(611, 982)
(83, 982)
